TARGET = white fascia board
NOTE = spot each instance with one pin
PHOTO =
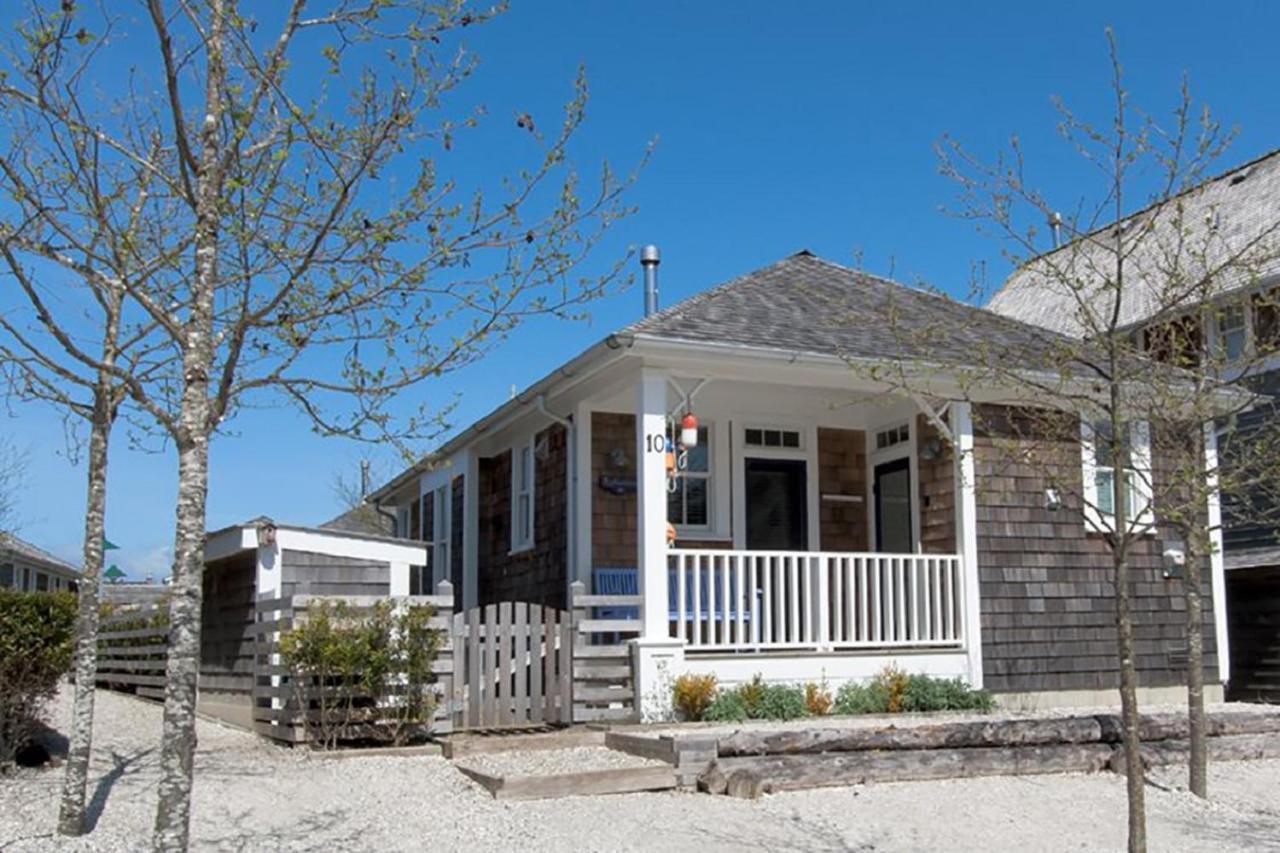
(338, 545)
(228, 541)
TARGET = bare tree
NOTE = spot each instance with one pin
(1099, 392)
(300, 236)
(13, 477)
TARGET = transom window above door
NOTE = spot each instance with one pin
(886, 438)
(788, 439)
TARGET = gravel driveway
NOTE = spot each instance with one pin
(252, 795)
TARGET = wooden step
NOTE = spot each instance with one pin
(587, 783)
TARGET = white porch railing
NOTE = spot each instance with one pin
(762, 600)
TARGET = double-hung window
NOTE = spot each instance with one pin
(689, 504)
(1233, 333)
(1103, 462)
(522, 488)
(442, 533)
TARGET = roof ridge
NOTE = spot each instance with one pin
(1214, 178)
(704, 295)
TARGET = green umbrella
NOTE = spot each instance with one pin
(108, 545)
(113, 573)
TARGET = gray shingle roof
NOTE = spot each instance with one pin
(21, 549)
(805, 304)
(1234, 215)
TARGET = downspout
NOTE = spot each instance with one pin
(395, 522)
(571, 450)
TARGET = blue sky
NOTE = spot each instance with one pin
(780, 127)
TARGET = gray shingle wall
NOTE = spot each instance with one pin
(324, 574)
(226, 613)
(1048, 619)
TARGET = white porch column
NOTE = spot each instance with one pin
(967, 536)
(469, 595)
(659, 657)
(582, 487)
(1217, 571)
(651, 503)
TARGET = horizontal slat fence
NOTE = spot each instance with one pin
(604, 686)
(276, 711)
(762, 600)
(133, 645)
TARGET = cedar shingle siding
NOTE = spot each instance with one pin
(306, 573)
(1048, 619)
(613, 517)
(538, 574)
(842, 470)
(937, 492)
(457, 529)
(226, 618)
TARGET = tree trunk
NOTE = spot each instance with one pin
(1135, 779)
(178, 740)
(71, 816)
(1198, 758)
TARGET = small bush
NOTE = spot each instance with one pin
(756, 700)
(365, 675)
(692, 694)
(894, 680)
(817, 699)
(37, 634)
(854, 698)
(912, 693)
(727, 707)
(944, 694)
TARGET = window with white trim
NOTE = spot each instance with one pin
(441, 533)
(522, 473)
(689, 505)
(1232, 339)
(1100, 456)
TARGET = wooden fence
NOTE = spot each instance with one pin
(133, 645)
(505, 665)
(277, 712)
(604, 684)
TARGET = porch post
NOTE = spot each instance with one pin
(967, 536)
(651, 503)
(1217, 570)
(657, 657)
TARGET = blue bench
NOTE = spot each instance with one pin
(626, 581)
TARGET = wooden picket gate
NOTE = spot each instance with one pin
(512, 666)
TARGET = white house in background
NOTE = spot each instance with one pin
(25, 567)
(819, 527)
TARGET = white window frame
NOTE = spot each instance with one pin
(441, 523)
(523, 541)
(1143, 520)
(709, 476)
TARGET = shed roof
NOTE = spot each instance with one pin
(24, 550)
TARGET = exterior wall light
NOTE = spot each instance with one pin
(267, 534)
(1052, 499)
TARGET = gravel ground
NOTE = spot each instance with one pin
(251, 795)
(544, 762)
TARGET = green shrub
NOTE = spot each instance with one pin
(912, 692)
(37, 634)
(692, 693)
(944, 694)
(727, 707)
(363, 674)
(855, 698)
(756, 700)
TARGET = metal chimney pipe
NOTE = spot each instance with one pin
(1055, 224)
(649, 260)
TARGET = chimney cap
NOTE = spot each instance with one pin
(649, 255)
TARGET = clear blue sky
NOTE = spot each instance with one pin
(782, 126)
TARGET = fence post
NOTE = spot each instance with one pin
(455, 651)
(577, 615)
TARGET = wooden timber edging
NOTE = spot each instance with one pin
(586, 783)
(786, 759)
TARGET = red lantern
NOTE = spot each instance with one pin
(689, 431)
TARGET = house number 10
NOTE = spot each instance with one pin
(655, 442)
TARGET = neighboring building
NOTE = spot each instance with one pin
(821, 529)
(1233, 215)
(25, 567)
